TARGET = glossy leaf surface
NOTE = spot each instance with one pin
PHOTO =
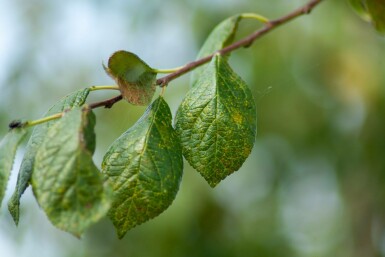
(144, 166)
(134, 77)
(27, 166)
(8, 147)
(221, 36)
(66, 182)
(217, 122)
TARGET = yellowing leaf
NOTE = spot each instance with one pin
(66, 182)
(216, 122)
(144, 167)
(136, 80)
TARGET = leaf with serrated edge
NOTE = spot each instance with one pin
(136, 80)
(66, 182)
(217, 122)
(8, 147)
(144, 166)
(76, 98)
(221, 36)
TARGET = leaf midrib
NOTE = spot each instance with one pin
(136, 180)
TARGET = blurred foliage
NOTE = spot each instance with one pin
(371, 10)
(314, 184)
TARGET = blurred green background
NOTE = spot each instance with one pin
(314, 184)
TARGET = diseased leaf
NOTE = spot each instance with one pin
(376, 9)
(216, 122)
(144, 166)
(134, 77)
(8, 147)
(66, 182)
(27, 165)
(221, 36)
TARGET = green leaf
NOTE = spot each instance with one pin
(217, 122)
(144, 166)
(8, 147)
(27, 165)
(221, 36)
(134, 77)
(376, 9)
(66, 182)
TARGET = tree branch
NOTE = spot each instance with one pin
(245, 42)
(106, 103)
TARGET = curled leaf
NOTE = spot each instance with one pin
(144, 167)
(136, 80)
(216, 122)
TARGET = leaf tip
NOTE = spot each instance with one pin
(13, 209)
(107, 70)
(121, 234)
(212, 184)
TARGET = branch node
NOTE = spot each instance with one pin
(163, 82)
(247, 45)
(108, 105)
(307, 10)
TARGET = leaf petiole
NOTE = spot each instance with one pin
(162, 92)
(42, 120)
(255, 17)
(113, 87)
(167, 70)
